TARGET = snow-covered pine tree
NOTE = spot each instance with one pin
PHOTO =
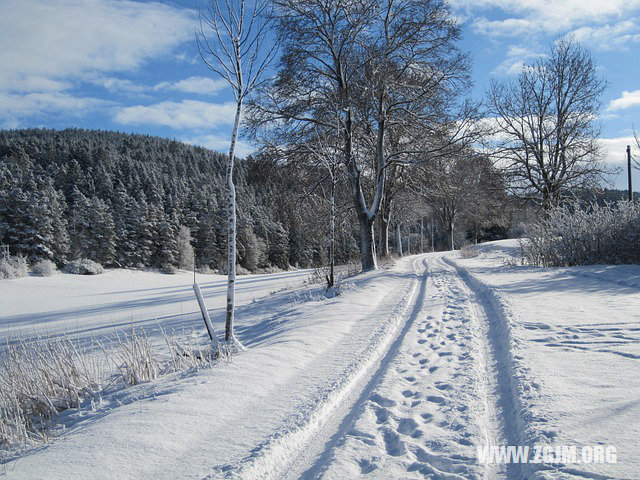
(185, 248)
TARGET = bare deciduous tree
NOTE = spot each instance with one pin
(546, 124)
(232, 43)
(375, 67)
(462, 187)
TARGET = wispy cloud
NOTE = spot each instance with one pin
(178, 115)
(627, 100)
(517, 57)
(533, 16)
(199, 85)
(16, 106)
(611, 36)
(47, 46)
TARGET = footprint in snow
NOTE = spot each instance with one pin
(436, 399)
(409, 393)
(366, 466)
(382, 415)
(408, 426)
(426, 417)
(433, 369)
(393, 445)
(443, 386)
(382, 401)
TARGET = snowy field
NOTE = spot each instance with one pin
(400, 376)
(79, 305)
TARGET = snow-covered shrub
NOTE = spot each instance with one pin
(468, 251)
(168, 268)
(13, 267)
(38, 380)
(570, 235)
(137, 359)
(44, 268)
(84, 266)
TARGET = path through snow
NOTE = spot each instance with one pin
(401, 376)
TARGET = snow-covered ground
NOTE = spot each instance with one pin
(94, 305)
(400, 376)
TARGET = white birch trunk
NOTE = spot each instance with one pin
(332, 233)
(399, 240)
(229, 336)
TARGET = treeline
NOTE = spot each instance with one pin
(139, 201)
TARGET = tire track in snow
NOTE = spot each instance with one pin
(435, 400)
(500, 368)
(289, 454)
(317, 469)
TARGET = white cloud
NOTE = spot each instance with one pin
(179, 115)
(15, 106)
(201, 85)
(609, 37)
(508, 27)
(544, 15)
(61, 39)
(627, 100)
(221, 144)
(517, 57)
(48, 45)
(114, 84)
(616, 148)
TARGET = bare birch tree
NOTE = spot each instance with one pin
(232, 43)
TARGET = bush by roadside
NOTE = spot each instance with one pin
(44, 268)
(570, 235)
(13, 267)
(84, 266)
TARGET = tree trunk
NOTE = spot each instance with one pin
(451, 244)
(398, 240)
(367, 245)
(231, 235)
(383, 247)
(332, 234)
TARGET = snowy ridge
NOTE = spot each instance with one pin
(274, 457)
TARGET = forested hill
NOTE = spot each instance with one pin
(125, 200)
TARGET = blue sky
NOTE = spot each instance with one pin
(133, 66)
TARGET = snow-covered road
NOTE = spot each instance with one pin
(401, 376)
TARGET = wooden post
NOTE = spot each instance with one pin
(629, 172)
(205, 316)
